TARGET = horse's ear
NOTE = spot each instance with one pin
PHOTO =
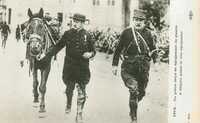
(41, 12)
(30, 14)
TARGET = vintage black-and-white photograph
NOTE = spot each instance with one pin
(84, 61)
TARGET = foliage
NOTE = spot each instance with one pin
(156, 9)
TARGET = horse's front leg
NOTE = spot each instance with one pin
(35, 86)
(42, 88)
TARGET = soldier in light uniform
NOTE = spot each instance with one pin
(135, 45)
(79, 50)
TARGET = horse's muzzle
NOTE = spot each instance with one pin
(35, 47)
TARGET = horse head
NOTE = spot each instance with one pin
(36, 32)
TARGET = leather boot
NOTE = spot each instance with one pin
(69, 103)
(133, 104)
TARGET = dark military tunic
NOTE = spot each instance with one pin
(76, 68)
(135, 66)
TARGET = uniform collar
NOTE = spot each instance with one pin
(78, 30)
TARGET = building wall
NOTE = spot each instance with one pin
(102, 15)
(20, 8)
(3, 9)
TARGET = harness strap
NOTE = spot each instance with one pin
(49, 34)
(136, 41)
(25, 30)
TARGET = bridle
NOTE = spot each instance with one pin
(36, 38)
(35, 41)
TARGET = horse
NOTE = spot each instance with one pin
(39, 41)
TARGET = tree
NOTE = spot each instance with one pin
(156, 9)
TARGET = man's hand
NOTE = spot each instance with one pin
(114, 70)
(87, 55)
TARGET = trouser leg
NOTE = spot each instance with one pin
(132, 84)
(80, 102)
(69, 94)
(142, 84)
(133, 105)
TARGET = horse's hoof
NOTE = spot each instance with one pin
(36, 100)
(79, 118)
(42, 109)
(134, 121)
(42, 115)
(35, 105)
(68, 110)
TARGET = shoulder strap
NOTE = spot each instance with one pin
(135, 38)
(145, 43)
(136, 41)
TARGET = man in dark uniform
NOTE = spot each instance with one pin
(135, 44)
(79, 49)
(5, 30)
